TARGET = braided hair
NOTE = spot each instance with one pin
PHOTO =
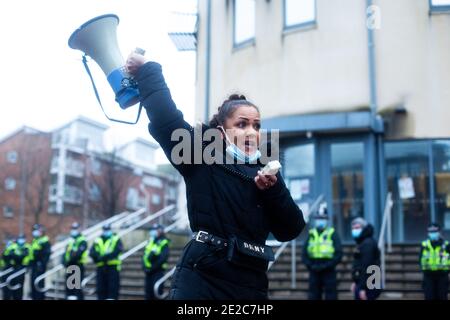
(227, 108)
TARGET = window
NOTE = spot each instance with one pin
(440, 5)
(94, 192)
(153, 182)
(132, 198)
(407, 170)
(10, 184)
(95, 166)
(11, 157)
(156, 199)
(299, 13)
(8, 212)
(441, 165)
(244, 22)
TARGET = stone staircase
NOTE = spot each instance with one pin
(403, 276)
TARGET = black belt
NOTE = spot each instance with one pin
(205, 237)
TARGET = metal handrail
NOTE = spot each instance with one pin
(386, 224)
(133, 250)
(280, 250)
(93, 233)
(160, 283)
(13, 276)
(63, 243)
(4, 273)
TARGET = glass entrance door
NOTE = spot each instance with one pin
(347, 183)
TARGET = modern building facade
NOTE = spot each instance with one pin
(359, 90)
(66, 175)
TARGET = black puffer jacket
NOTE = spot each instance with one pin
(221, 199)
(366, 254)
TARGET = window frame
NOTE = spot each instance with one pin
(247, 42)
(9, 154)
(439, 8)
(9, 214)
(301, 25)
(6, 183)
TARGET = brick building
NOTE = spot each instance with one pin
(55, 178)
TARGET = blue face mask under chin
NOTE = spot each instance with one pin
(234, 151)
(21, 242)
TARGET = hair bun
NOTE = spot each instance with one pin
(236, 97)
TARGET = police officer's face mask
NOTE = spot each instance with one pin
(153, 234)
(74, 233)
(321, 223)
(107, 234)
(434, 236)
(36, 233)
(21, 241)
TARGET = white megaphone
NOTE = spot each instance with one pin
(97, 38)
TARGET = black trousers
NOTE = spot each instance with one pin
(37, 269)
(435, 285)
(108, 283)
(150, 279)
(77, 292)
(17, 294)
(7, 294)
(322, 282)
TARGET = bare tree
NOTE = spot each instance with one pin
(112, 183)
(34, 163)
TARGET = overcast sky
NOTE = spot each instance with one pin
(44, 84)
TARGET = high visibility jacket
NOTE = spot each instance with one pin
(435, 259)
(37, 245)
(320, 246)
(5, 260)
(24, 252)
(104, 248)
(154, 248)
(73, 247)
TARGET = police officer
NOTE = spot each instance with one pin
(106, 254)
(366, 254)
(322, 253)
(20, 258)
(40, 255)
(76, 255)
(155, 259)
(6, 263)
(435, 264)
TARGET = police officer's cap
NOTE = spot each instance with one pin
(75, 225)
(156, 226)
(106, 227)
(322, 214)
(37, 226)
(21, 236)
(434, 227)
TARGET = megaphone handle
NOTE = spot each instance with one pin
(98, 96)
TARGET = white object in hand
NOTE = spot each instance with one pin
(271, 168)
